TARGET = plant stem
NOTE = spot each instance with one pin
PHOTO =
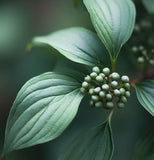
(148, 76)
(113, 64)
(110, 115)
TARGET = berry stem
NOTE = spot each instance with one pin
(110, 115)
(148, 76)
(113, 64)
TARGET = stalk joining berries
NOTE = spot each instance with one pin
(106, 89)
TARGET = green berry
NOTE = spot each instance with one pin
(121, 105)
(96, 70)
(98, 104)
(115, 76)
(144, 52)
(85, 85)
(141, 48)
(109, 97)
(122, 91)
(109, 105)
(105, 87)
(99, 79)
(91, 103)
(82, 90)
(127, 94)
(97, 90)
(134, 49)
(127, 86)
(123, 99)
(151, 61)
(140, 60)
(87, 78)
(116, 92)
(114, 84)
(93, 75)
(106, 71)
(125, 79)
(95, 98)
(102, 94)
(102, 75)
(91, 91)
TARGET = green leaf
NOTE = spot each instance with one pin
(145, 95)
(42, 110)
(95, 144)
(77, 44)
(145, 148)
(149, 5)
(114, 22)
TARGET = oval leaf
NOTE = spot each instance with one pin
(145, 95)
(77, 44)
(113, 20)
(95, 144)
(43, 108)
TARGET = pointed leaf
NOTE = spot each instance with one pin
(43, 108)
(113, 20)
(77, 44)
(145, 95)
(145, 148)
(95, 144)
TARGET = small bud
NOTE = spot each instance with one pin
(144, 52)
(97, 90)
(127, 86)
(123, 99)
(87, 78)
(91, 103)
(121, 105)
(98, 104)
(93, 75)
(109, 105)
(122, 91)
(85, 85)
(127, 94)
(95, 98)
(102, 75)
(109, 97)
(115, 76)
(114, 84)
(96, 70)
(125, 79)
(102, 94)
(137, 28)
(82, 90)
(91, 91)
(151, 61)
(141, 48)
(140, 60)
(116, 92)
(99, 79)
(134, 49)
(106, 71)
(105, 87)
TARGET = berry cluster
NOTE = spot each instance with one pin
(143, 55)
(106, 89)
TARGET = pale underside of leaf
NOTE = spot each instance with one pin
(43, 108)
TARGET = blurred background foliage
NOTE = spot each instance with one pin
(24, 19)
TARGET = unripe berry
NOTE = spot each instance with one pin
(127, 94)
(140, 60)
(144, 52)
(116, 92)
(85, 85)
(106, 71)
(134, 49)
(98, 104)
(82, 90)
(96, 70)
(151, 61)
(93, 75)
(87, 78)
(97, 90)
(102, 94)
(91, 91)
(102, 75)
(115, 76)
(109, 105)
(99, 79)
(127, 86)
(125, 79)
(114, 84)
(122, 91)
(109, 97)
(91, 103)
(121, 105)
(95, 98)
(123, 99)
(105, 87)
(141, 48)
